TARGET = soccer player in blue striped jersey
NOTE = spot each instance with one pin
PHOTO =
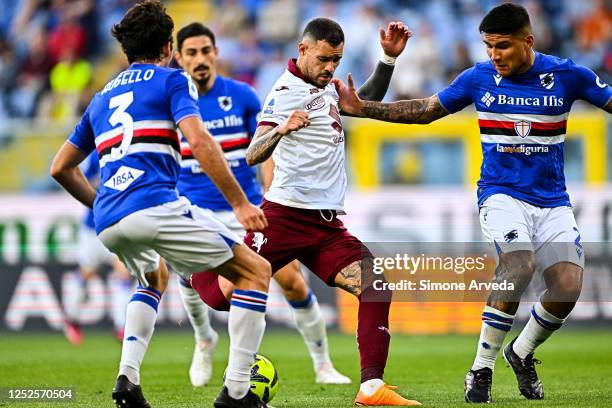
(132, 125)
(523, 99)
(230, 109)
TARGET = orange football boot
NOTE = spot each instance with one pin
(384, 396)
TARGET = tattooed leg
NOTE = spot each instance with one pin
(373, 319)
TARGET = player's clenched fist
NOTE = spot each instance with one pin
(251, 217)
(296, 121)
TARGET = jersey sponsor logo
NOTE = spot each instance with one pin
(521, 149)
(522, 128)
(316, 103)
(549, 100)
(258, 241)
(497, 79)
(487, 99)
(315, 90)
(547, 80)
(123, 178)
(225, 103)
(282, 88)
(226, 121)
(599, 82)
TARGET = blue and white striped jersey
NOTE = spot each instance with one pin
(522, 121)
(131, 123)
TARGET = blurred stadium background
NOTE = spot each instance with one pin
(408, 183)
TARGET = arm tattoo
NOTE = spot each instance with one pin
(375, 88)
(419, 111)
(263, 144)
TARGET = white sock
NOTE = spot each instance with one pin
(139, 326)
(246, 327)
(197, 311)
(541, 325)
(310, 324)
(369, 387)
(120, 297)
(495, 325)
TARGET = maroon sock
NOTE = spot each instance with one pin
(373, 332)
(207, 286)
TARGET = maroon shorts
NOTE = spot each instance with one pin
(317, 238)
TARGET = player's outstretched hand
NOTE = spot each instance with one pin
(296, 121)
(251, 217)
(349, 101)
(393, 41)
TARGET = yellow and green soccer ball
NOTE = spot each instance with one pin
(264, 378)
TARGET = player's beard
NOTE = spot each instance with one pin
(324, 81)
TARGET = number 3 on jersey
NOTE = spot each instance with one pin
(120, 116)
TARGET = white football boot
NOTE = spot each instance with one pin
(327, 374)
(201, 368)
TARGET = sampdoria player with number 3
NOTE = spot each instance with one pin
(523, 99)
(132, 124)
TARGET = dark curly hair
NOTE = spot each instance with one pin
(144, 30)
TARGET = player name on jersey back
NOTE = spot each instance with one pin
(131, 124)
(131, 76)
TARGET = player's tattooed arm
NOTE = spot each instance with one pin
(267, 137)
(419, 111)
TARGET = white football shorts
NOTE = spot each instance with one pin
(228, 218)
(513, 225)
(186, 237)
(91, 252)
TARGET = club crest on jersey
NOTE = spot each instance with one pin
(547, 80)
(123, 178)
(522, 128)
(225, 102)
(511, 236)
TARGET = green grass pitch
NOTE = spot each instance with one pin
(576, 369)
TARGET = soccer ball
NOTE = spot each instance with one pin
(264, 378)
